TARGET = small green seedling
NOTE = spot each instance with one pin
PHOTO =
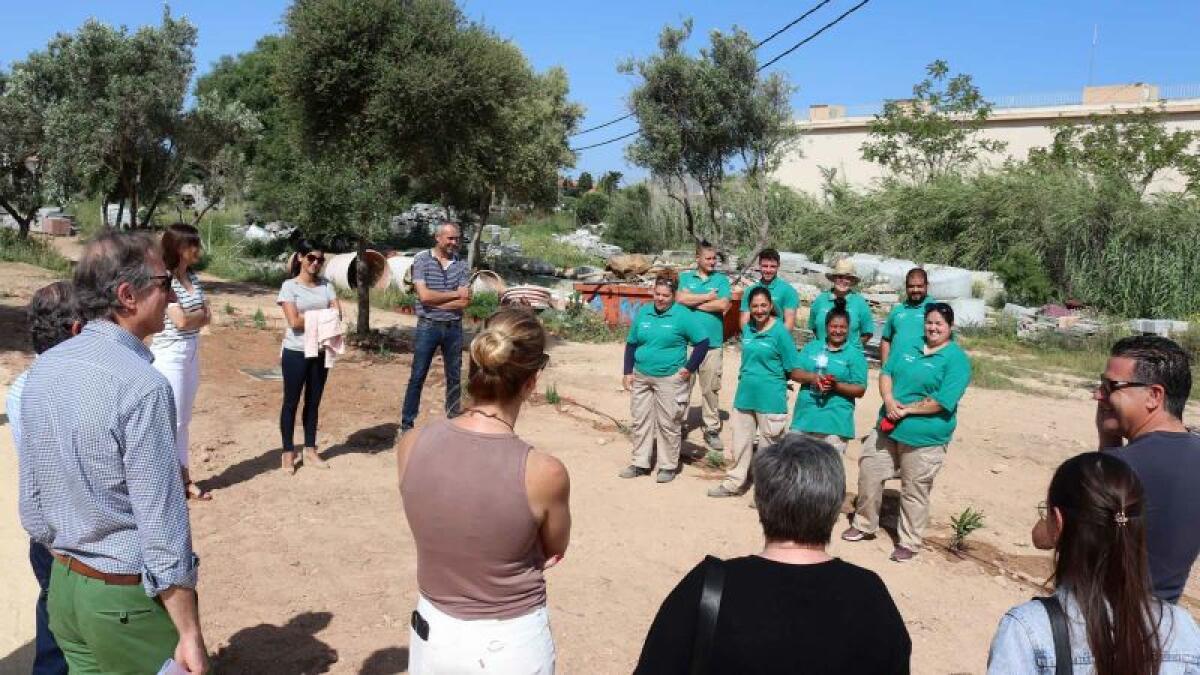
(964, 524)
(715, 459)
(230, 309)
(552, 396)
(260, 319)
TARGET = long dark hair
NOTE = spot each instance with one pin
(1101, 558)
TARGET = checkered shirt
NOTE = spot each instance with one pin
(99, 476)
(12, 406)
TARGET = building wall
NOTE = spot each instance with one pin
(836, 143)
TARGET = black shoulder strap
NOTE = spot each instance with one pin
(1062, 634)
(706, 617)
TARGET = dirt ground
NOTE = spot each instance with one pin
(317, 573)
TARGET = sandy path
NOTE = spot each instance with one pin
(298, 571)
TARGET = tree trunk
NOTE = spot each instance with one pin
(133, 209)
(474, 252)
(120, 214)
(104, 212)
(363, 329)
(764, 225)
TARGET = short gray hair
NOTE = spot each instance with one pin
(799, 487)
(109, 260)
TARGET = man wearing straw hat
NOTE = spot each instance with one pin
(844, 279)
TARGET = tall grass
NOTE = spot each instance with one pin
(536, 237)
(32, 250)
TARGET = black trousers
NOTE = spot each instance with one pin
(301, 377)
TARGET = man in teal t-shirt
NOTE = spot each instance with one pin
(707, 294)
(785, 298)
(862, 324)
(905, 325)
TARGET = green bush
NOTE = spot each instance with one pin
(1024, 276)
(482, 305)
(32, 250)
(592, 208)
(580, 323)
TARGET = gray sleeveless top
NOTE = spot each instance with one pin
(479, 555)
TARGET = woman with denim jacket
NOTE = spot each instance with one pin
(1093, 520)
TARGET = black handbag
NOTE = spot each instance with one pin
(1061, 633)
(706, 616)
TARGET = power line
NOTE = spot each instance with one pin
(808, 39)
(764, 66)
(760, 43)
(802, 17)
(601, 126)
(635, 132)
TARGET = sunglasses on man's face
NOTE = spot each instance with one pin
(314, 258)
(160, 281)
(1106, 387)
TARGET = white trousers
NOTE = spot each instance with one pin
(179, 362)
(519, 646)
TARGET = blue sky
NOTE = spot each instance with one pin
(1009, 46)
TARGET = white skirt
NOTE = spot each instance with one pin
(518, 646)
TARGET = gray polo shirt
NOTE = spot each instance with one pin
(429, 270)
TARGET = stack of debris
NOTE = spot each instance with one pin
(589, 242)
(421, 216)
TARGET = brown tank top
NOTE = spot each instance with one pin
(479, 555)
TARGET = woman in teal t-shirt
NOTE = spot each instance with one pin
(921, 388)
(833, 373)
(760, 404)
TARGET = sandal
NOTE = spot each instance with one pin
(311, 456)
(194, 491)
(289, 463)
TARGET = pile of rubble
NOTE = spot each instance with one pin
(421, 216)
(589, 242)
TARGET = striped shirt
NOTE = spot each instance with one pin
(428, 270)
(98, 474)
(188, 302)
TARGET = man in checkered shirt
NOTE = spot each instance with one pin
(99, 479)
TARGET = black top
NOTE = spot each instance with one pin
(832, 617)
(1168, 464)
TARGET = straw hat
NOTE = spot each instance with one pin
(842, 268)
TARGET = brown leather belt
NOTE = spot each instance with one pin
(110, 579)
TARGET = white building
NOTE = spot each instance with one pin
(833, 135)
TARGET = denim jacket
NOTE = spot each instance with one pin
(1024, 643)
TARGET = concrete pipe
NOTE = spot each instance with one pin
(341, 270)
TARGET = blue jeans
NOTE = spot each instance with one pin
(432, 335)
(48, 658)
(305, 378)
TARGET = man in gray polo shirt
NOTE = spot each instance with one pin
(441, 280)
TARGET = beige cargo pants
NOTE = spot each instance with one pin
(884, 459)
(657, 405)
(746, 426)
(708, 379)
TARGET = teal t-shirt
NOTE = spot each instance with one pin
(662, 339)
(783, 296)
(861, 321)
(942, 376)
(905, 325)
(767, 358)
(829, 413)
(712, 323)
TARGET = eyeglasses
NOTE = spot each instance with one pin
(314, 258)
(161, 281)
(1107, 386)
(1043, 510)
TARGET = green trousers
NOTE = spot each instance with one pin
(108, 629)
